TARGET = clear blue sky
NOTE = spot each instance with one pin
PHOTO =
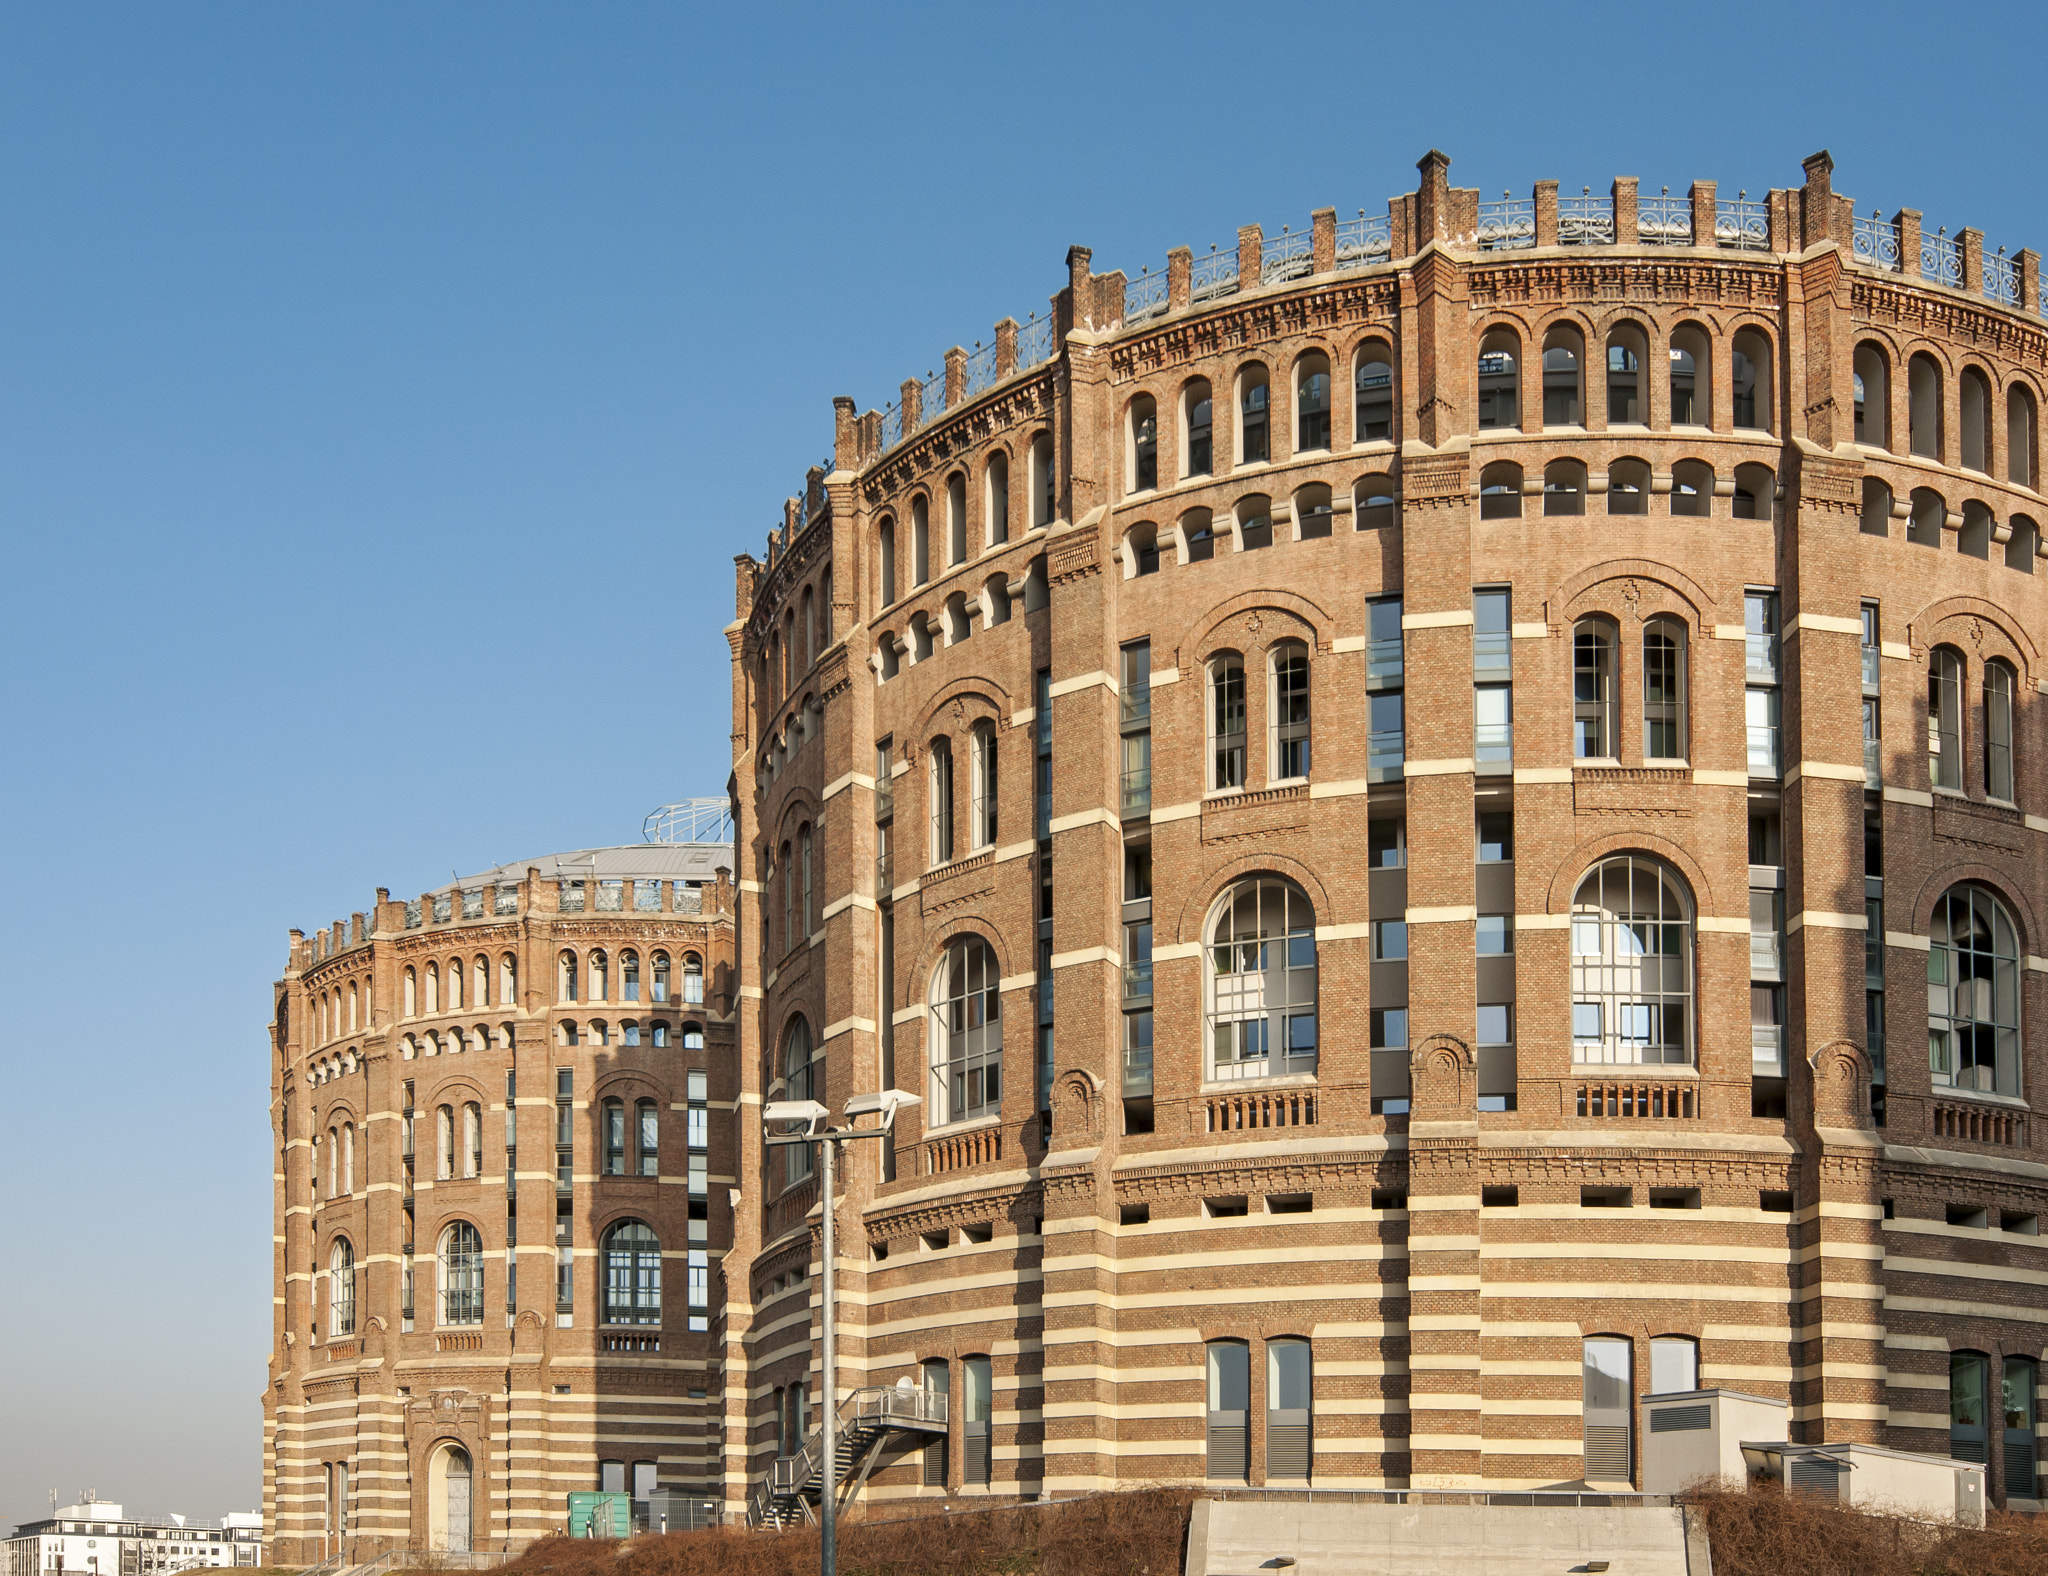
(384, 391)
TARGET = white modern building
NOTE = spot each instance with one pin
(97, 1538)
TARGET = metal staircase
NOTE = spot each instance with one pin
(795, 1483)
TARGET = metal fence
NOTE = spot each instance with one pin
(980, 371)
(2002, 278)
(1941, 259)
(1585, 220)
(1034, 342)
(1507, 225)
(1742, 225)
(1144, 296)
(1363, 241)
(1664, 220)
(1213, 276)
(1288, 255)
(1876, 242)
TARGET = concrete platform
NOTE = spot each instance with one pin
(1318, 1538)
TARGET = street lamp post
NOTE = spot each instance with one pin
(828, 1139)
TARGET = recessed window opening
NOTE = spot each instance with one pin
(1873, 396)
(1253, 416)
(1751, 380)
(1144, 445)
(1626, 353)
(1561, 357)
(1923, 402)
(1632, 962)
(1500, 491)
(1691, 382)
(1197, 415)
(1500, 394)
(1312, 402)
(1628, 487)
(1374, 388)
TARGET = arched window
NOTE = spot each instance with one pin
(1141, 556)
(806, 909)
(1198, 533)
(462, 1274)
(444, 1143)
(939, 784)
(412, 992)
(693, 1037)
(1142, 441)
(1976, 421)
(1999, 689)
(341, 1288)
(351, 1006)
(1500, 491)
(693, 978)
(920, 540)
(333, 1155)
(2016, 1402)
(1262, 980)
(886, 536)
(1373, 386)
(1876, 519)
(568, 1033)
(1873, 396)
(1664, 733)
(784, 869)
(1974, 539)
(2023, 546)
(1254, 522)
(1226, 721)
(1692, 488)
(1562, 354)
(565, 977)
(995, 503)
(1751, 380)
(1290, 1429)
(632, 1274)
(1253, 416)
(647, 1137)
(1973, 993)
(2019, 436)
(966, 1031)
(348, 1157)
(938, 1385)
(1755, 488)
(433, 987)
(1312, 402)
(1593, 690)
(1042, 490)
(956, 518)
(1375, 503)
(629, 975)
(1500, 389)
(1923, 406)
(1606, 1398)
(800, 1081)
(1564, 486)
(984, 785)
(1313, 515)
(1691, 376)
(1198, 426)
(480, 981)
(978, 1465)
(1628, 487)
(1230, 1402)
(1674, 1364)
(1929, 515)
(1632, 963)
(954, 618)
(790, 665)
(1945, 718)
(1288, 707)
(600, 975)
(809, 624)
(1968, 1439)
(1627, 351)
(472, 1140)
(455, 984)
(612, 1136)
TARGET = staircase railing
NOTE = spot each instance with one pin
(870, 1408)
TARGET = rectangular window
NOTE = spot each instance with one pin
(1607, 1399)
(1135, 773)
(1496, 1023)
(1227, 724)
(1760, 636)
(1386, 843)
(1383, 641)
(1496, 935)
(1493, 724)
(1766, 927)
(1389, 1028)
(1290, 710)
(1389, 940)
(1496, 836)
(1760, 718)
(1386, 741)
(1872, 649)
(1492, 634)
(1135, 682)
(941, 778)
(985, 783)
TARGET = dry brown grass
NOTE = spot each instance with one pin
(1760, 1531)
(1137, 1534)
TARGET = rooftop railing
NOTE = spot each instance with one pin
(1289, 255)
(1876, 242)
(1034, 342)
(1364, 241)
(1742, 225)
(1941, 259)
(1664, 220)
(1145, 296)
(1213, 276)
(1507, 225)
(980, 370)
(1585, 220)
(2002, 278)
(931, 398)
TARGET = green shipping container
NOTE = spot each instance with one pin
(593, 1515)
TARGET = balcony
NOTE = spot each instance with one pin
(1760, 657)
(1137, 791)
(1138, 1072)
(1138, 981)
(1767, 1050)
(1873, 777)
(885, 875)
(1763, 750)
(1136, 705)
(1494, 746)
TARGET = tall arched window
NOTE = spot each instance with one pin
(985, 784)
(341, 1288)
(1968, 1438)
(1923, 406)
(1945, 718)
(1751, 380)
(612, 1138)
(1593, 686)
(600, 976)
(1230, 1402)
(1976, 420)
(629, 975)
(1564, 487)
(693, 979)
(508, 981)
(975, 1420)
(1562, 355)
(659, 985)
(938, 1385)
(1606, 1403)
(805, 909)
(1627, 352)
(412, 992)
(1253, 416)
(920, 540)
(1632, 963)
(1628, 487)
(455, 985)
(799, 1082)
(1142, 440)
(1373, 386)
(480, 981)
(2019, 436)
(472, 1140)
(1043, 499)
(433, 987)
(995, 504)
(1199, 429)
(351, 1006)
(1226, 721)
(1873, 396)
(2016, 1402)
(966, 1031)
(1312, 402)
(1500, 389)
(647, 1137)
(632, 1274)
(348, 1157)
(956, 518)
(939, 783)
(1999, 687)
(565, 977)
(1500, 491)
(1973, 993)
(444, 1142)
(1692, 488)
(1290, 1429)
(886, 540)
(1664, 690)
(1692, 399)
(1261, 950)
(1289, 710)
(462, 1274)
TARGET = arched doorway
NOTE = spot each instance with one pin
(448, 1499)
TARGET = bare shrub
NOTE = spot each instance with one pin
(1761, 1531)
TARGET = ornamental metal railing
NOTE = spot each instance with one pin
(1288, 255)
(1876, 242)
(1144, 296)
(892, 426)
(2002, 278)
(1664, 220)
(1213, 276)
(1941, 259)
(931, 400)
(1034, 342)
(980, 371)
(1742, 225)
(1363, 241)
(1507, 225)
(1585, 220)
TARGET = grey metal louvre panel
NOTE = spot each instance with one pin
(1680, 1419)
(1815, 1476)
(1606, 1453)
(935, 1464)
(978, 1458)
(2019, 1465)
(1287, 1447)
(1229, 1447)
(1963, 1449)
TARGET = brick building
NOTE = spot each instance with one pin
(502, 1118)
(1408, 796)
